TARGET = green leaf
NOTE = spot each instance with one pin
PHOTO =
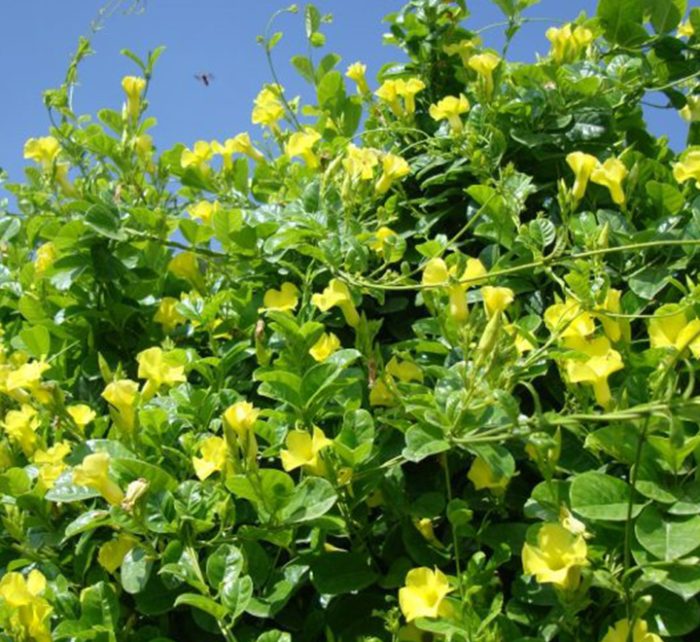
(280, 385)
(423, 440)
(135, 468)
(667, 537)
(100, 608)
(105, 221)
(236, 593)
(666, 15)
(331, 92)
(622, 21)
(598, 496)
(355, 440)
(311, 499)
(202, 603)
(318, 379)
(65, 491)
(335, 573)
(226, 561)
(671, 615)
(312, 19)
(35, 340)
(274, 636)
(305, 68)
(666, 198)
(649, 282)
(135, 570)
(87, 521)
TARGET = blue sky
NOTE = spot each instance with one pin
(216, 36)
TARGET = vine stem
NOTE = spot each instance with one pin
(455, 541)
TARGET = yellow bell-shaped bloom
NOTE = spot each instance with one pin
(213, 457)
(484, 65)
(185, 266)
(93, 473)
(582, 165)
(241, 417)
(42, 151)
(435, 272)
(464, 49)
(611, 174)
(268, 108)
(408, 89)
(112, 553)
(359, 162)
(21, 426)
(557, 557)
(18, 591)
(496, 299)
(620, 632)
(133, 87)
(381, 235)
(203, 210)
(284, 299)
(327, 344)
(670, 328)
(688, 167)
(337, 294)
(50, 463)
(691, 111)
(356, 72)
(393, 168)
(450, 109)
(121, 396)
(685, 29)
(167, 314)
(424, 593)
(568, 319)
(303, 450)
(239, 144)
(568, 43)
(158, 369)
(601, 362)
(484, 477)
(388, 92)
(25, 382)
(616, 329)
(405, 371)
(301, 144)
(46, 255)
(198, 157)
(81, 414)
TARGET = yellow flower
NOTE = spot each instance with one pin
(121, 396)
(685, 30)
(185, 266)
(691, 111)
(450, 108)
(568, 319)
(303, 450)
(435, 272)
(203, 210)
(268, 109)
(496, 299)
(159, 369)
(241, 417)
(360, 162)
(42, 150)
(380, 395)
(670, 328)
(301, 144)
(567, 44)
(425, 527)
(611, 174)
(239, 144)
(50, 463)
(601, 362)
(393, 168)
(464, 49)
(381, 235)
(408, 89)
(357, 72)
(26, 377)
(21, 426)
(582, 165)
(324, 347)
(286, 298)
(615, 328)
(621, 630)
(46, 255)
(337, 294)
(484, 65)
(520, 341)
(388, 92)
(688, 167)
(198, 157)
(213, 459)
(557, 557)
(112, 553)
(424, 594)
(167, 314)
(94, 473)
(18, 591)
(133, 87)
(483, 476)
(143, 145)
(405, 371)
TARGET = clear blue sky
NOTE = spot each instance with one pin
(217, 36)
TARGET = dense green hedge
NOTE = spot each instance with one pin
(416, 362)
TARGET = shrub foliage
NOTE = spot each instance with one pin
(418, 363)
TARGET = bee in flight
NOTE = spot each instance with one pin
(205, 78)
